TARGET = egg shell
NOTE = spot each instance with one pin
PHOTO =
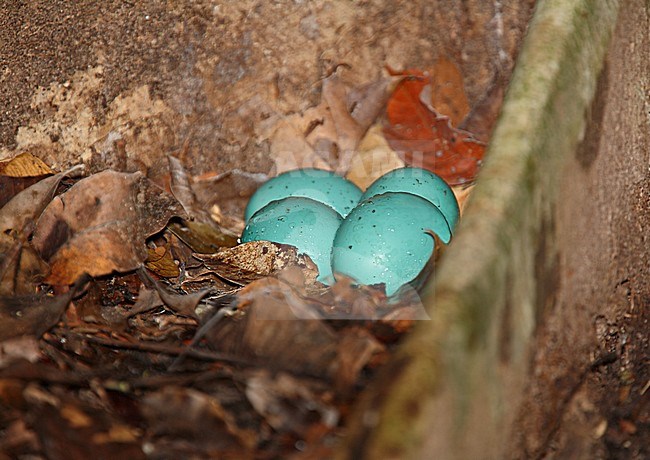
(422, 183)
(385, 240)
(307, 224)
(320, 185)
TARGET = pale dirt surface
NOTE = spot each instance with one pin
(121, 84)
(202, 80)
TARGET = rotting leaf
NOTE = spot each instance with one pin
(100, 225)
(356, 348)
(190, 414)
(33, 314)
(76, 430)
(287, 403)
(423, 138)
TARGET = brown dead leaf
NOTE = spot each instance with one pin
(161, 262)
(356, 348)
(191, 414)
(21, 268)
(24, 165)
(289, 148)
(326, 136)
(269, 330)
(445, 94)
(368, 101)
(18, 216)
(100, 225)
(287, 403)
(229, 191)
(254, 260)
(12, 186)
(201, 237)
(280, 323)
(148, 299)
(374, 158)
(181, 304)
(31, 315)
(77, 430)
(348, 131)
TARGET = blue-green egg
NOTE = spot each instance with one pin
(307, 224)
(422, 183)
(385, 239)
(320, 185)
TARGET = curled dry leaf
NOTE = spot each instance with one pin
(100, 225)
(181, 188)
(18, 216)
(181, 304)
(21, 268)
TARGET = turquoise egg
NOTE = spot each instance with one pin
(304, 223)
(422, 183)
(324, 186)
(385, 240)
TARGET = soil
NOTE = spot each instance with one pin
(80, 81)
(71, 74)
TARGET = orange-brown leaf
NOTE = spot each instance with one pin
(447, 91)
(425, 139)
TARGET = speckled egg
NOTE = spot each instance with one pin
(324, 186)
(385, 240)
(304, 223)
(422, 183)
